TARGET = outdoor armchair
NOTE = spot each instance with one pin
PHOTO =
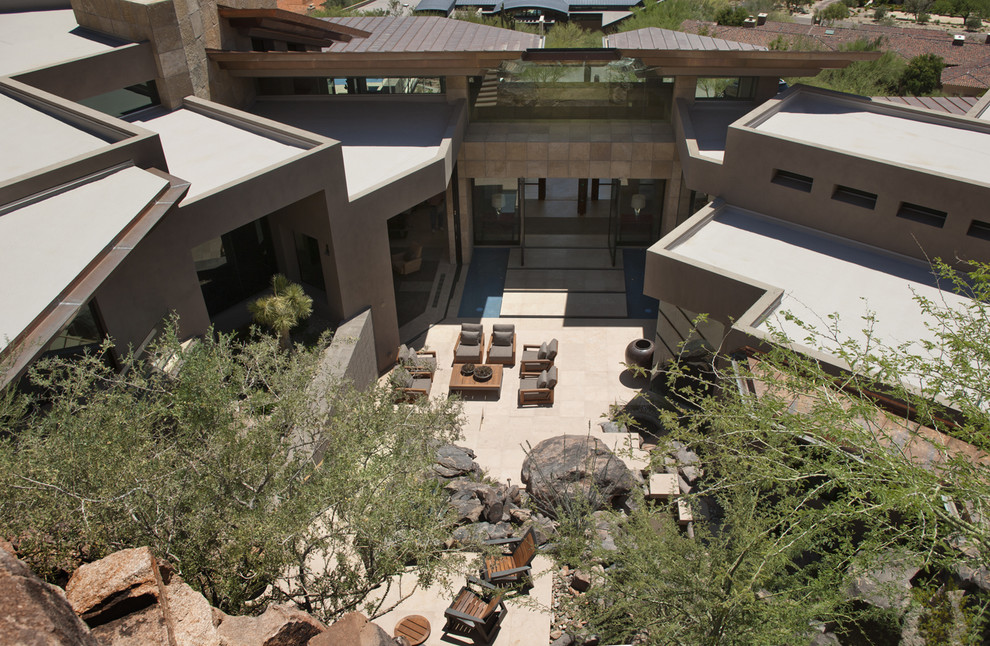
(417, 359)
(470, 344)
(502, 345)
(412, 384)
(477, 615)
(514, 566)
(537, 358)
(538, 390)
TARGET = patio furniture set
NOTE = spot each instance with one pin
(476, 371)
(477, 610)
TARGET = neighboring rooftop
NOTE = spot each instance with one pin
(814, 270)
(949, 104)
(34, 39)
(656, 38)
(210, 153)
(38, 138)
(872, 131)
(968, 65)
(430, 34)
(47, 244)
(380, 140)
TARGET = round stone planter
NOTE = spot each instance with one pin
(640, 353)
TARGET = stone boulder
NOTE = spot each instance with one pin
(190, 616)
(353, 629)
(35, 613)
(569, 470)
(277, 626)
(121, 583)
(453, 461)
(143, 627)
(888, 583)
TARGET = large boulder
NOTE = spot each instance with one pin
(144, 627)
(453, 461)
(121, 583)
(574, 470)
(35, 613)
(353, 629)
(190, 616)
(277, 626)
(887, 583)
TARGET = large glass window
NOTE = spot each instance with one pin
(118, 103)
(622, 89)
(235, 266)
(496, 216)
(640, 208)
(742, 88)
(84, 332)
(350, 85)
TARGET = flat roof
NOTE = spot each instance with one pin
(819, 275)
(381, 140)
(38, 138)
(46, 245)
(34, 39)
(870, 130)
(210, 153)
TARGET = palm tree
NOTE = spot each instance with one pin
(281, 311)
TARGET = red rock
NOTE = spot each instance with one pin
(123, 582)
(353, 629)
(36, 613)
(278, 626)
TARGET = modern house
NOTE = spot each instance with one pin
(172, 155)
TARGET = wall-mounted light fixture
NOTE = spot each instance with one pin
(498, 202)
(638, 203)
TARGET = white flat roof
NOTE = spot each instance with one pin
(819, 275)
(210, 153)
(45, 246)
(870, 131)
(34, 139)
(381, 140)
(34, 39)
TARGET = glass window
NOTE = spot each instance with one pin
(742, 88)
(623, 89)
(118, 103)
(84, 331)
(350, 85)
(640, 208)
(235, 266)
(496, 218)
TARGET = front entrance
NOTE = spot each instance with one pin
(559, 213)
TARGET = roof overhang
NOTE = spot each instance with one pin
(279, 24)
(588, 54)
(281, 64)
(32, 341)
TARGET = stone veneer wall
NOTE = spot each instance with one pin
(179, 31)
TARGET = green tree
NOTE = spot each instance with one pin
(918, 7)
(671, 13)
(214, 469)
(833, 12)
(923, 75)
(811, 477)
(732, 16)
(283, 309)
(572, 35)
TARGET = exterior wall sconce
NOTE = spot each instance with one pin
(638, 203)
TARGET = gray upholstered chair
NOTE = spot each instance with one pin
(470, 344)
(502, 345)
(538, 390)
(412, 384)
(537, 358)
(417, 359)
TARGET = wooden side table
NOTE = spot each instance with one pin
(414, 628)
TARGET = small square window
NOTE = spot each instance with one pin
(922, 214)
(792, 180)
(855, 197)
(979, 229)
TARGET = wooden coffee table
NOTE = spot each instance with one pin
(415, 628)
(460, 383)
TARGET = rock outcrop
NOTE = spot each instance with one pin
(277, 626)
(574, 470)
(353, 629)
(36, 613)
